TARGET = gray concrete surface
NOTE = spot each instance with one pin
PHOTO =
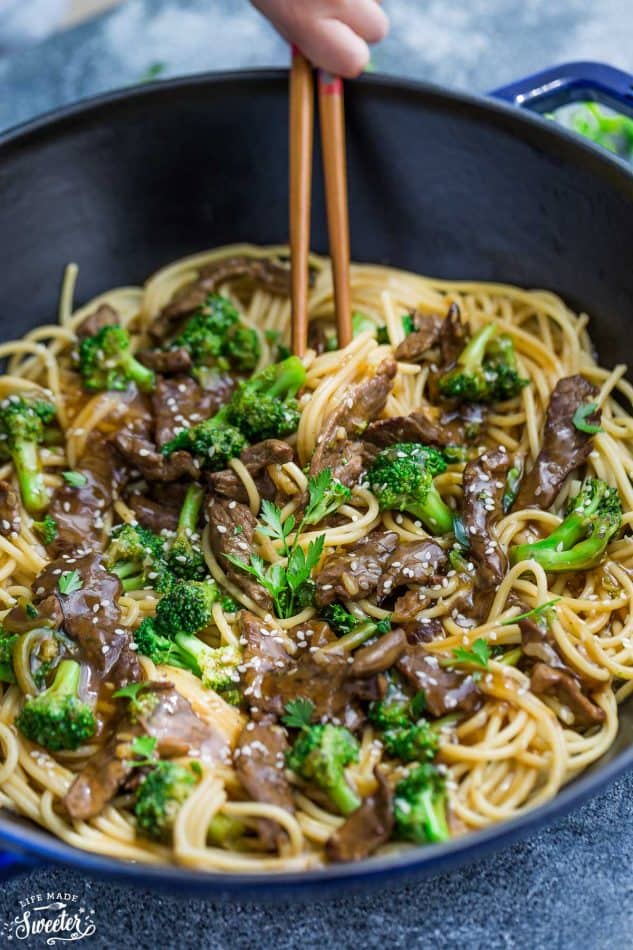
(569, 886)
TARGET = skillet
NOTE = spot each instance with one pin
(442, 183)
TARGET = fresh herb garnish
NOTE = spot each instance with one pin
(478, 655)
(298, 713)
(69, 582)
(581, 415)
(31, 611)
(536, 613)
(289, 585)
(144, 751)
(75, 479)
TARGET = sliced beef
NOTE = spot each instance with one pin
(545, 680)
(169, 718)
(412, 563)
(380, 656)
(260, 762)
(337, 446)
(424, 337)
(264, 651)
(423, 426)
(91, 616)
(9, 510)
(48, 613)
(179, 403)
(153, 514)
(256, 458)
(231, 530)
(406, 613)
(79, 511)
(565, 447)
(272, 275)
(484, 485)
(453, 336)
(446, 691)
(366, 829)
(155, 467)
(166, 362)
(538, 645)
(103, 316)
(354, 572)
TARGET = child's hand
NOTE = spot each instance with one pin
(332, 34)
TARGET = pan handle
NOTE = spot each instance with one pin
(11, 865)
(571, 82)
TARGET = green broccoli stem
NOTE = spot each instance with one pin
(510, 658)
(433, 512)
(289, 380)
(66, 681)
(30, 476)
(224, 829)
(350, 641)
(475, 350)
(345, 799)
(190, 511)
(193, 649)
(580, 557)
(144, 378)
(435, 825)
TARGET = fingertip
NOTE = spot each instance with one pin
(377, 26)
(354, 59)
(337, 49)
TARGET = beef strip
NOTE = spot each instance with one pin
(103, 316)
(426, 334)
(273, 678)
(231, 530)
(152, 514)
(49, 614)
(167, 362)
(545, 680)
(178, 730)
(337, 446)
(406, 613)
(91, 616)
(446, 691)
(270, 274)
(453, 336)
(366, 829)
(421, 426)
(179, 403)
(413, 562)
(155, 467)
(538, 645)
(564, 448)
(354, 572)
(256, 458)
(380, 656)
(260, 761)
(484, 485)
(79, 511)
(9, 510)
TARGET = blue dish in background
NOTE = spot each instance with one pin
(440, 182)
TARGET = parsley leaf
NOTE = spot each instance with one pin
(69, 582)
(478, 655)
(75, 479)
(536, 613)
(326, 495)
(298, 713)
(581, 415)
(273, 527)
(143, 749)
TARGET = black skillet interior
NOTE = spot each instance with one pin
(439, 183)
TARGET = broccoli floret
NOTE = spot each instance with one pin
(185, 558)
(160, 649)
(486, 369)
(420, 806)
(593, 517)
(404, 735)
(401, 478)
(57, 719)
(214, 442)
(320, 755)
(188, 607)
(47, 529)
(160, 795)
(136, 555)
(215, 666)
(340, 619)
(214, 336)
(408, 325)
(264, 406)
(106, 362)
(23, 427)
(7, 644)
(390, 714)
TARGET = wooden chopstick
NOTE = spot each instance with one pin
(301, 144)
(332, 116)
